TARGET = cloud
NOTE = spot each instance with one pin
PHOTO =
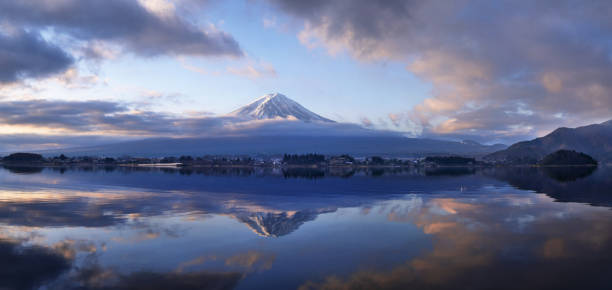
(482, 58)
(27, 55)
(147, 30)
(254, 70)
(269, 22)
(71, 78)
(42, 38)
(366, 122)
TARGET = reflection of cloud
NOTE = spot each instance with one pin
(27, 267)
(148, 232)
(252, 260)
(554, 248)
(68, 248)
(96, 277)
(483, 248)
(178, 281)
(108, 207)
(52, 207)
(452, 206)
(194, 262)
(34, 196)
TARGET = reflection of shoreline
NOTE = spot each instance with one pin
(590, 185)
(286, 172)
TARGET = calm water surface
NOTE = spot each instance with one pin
(273, 229)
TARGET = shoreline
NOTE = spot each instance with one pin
(183, 166)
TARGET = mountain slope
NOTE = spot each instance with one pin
(390, 145)
(595, 140)
(276, 105)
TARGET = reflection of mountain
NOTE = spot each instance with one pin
(278, 224)
(572, 184)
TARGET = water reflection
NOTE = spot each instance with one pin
(500, 228)
(574, 184)
(23, 169)
(565, 174)
(503, 243)
(25, 267)
(276, 224)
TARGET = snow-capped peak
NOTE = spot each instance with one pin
(276, 105)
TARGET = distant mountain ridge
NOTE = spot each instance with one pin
(594, 140)
(277, 105)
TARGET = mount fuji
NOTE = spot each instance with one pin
(273, 125)
(275, 106)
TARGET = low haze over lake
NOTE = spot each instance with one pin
(492, 228)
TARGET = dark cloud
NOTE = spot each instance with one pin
(95, 30)
(28, 55)
(125, 23)
(504, 61)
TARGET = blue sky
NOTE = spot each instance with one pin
(332, 85)
(462, 70)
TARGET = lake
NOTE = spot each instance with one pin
(253, 228)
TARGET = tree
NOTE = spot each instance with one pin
(23, 158)
(567, 157)
(450, 160)
(377, 160)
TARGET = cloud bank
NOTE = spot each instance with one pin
(48, 124)
(504, 69)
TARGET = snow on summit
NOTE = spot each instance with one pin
(276, 105)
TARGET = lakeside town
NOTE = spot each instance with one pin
(558, 158)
